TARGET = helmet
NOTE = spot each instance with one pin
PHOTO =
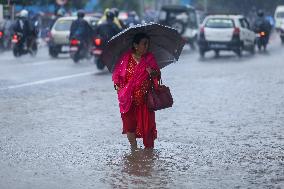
(81, 14)
(260, 13)
(110, 15)
(60, 12)
(115, 11)
(24, 13)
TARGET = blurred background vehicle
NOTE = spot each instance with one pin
(262, 27)
(151, 16)
(281, 32)
(129, 18)
(279, 16)
(103, 33)
(58, 41)
(183, 18)
(279, 21)
(226, 32)
(6, 30)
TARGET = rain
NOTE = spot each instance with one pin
(60, 122)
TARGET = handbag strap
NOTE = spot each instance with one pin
(160, 81)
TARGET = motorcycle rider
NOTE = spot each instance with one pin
(80, 29)
(115, 19)
(108, 28)
(116, 13)
(7, 29)
(23, 26)
(261, 24)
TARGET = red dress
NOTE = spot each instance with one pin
(139, 119)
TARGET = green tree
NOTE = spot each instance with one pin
(120, 4)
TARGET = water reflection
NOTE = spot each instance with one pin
(138, 169)
(140, 162)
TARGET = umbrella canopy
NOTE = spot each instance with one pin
(165, 43)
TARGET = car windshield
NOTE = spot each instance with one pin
(63, 25)
(280, 15)
(219, 23)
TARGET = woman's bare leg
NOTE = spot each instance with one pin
(132, 140)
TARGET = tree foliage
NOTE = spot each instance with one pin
(120, 4)
(77, 4)
(238, 6)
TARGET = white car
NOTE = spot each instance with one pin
(279, 16)
(226, 32)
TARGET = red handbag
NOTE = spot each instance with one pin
(159, 98)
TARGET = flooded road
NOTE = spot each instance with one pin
(60, 125)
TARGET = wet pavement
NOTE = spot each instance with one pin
(60, 125)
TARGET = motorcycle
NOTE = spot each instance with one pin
(1, 40)
(98, 47)
(78, 50)
(262, 38)
(20, 47)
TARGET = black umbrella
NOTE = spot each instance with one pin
(165, 43)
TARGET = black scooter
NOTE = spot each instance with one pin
(98, 47)
(79, 50)
(2, 40)
(20, 47)
(262, 39)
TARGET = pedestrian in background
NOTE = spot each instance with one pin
(133, 76)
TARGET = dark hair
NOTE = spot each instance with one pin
(260, 13)
(138, 37)
(110, 15)
(115, 11)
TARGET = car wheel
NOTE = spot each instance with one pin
(99, 64)
(52, 52)
(282, 40)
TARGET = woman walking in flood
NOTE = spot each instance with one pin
(133, 76)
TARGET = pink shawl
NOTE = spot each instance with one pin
(140, 75)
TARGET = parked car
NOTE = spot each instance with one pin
(279, 16)
(226, 32)
(58, 41)
(183, 18)
(279, 21)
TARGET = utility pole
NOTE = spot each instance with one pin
(205, 3)
(142, 8)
